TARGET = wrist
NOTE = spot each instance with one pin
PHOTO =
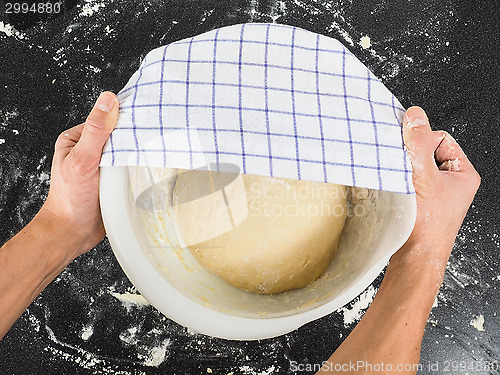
(426, 256)
(58, 235)
(432, 236)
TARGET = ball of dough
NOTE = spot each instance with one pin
(261, 234)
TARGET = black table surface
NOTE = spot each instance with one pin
(441, 55)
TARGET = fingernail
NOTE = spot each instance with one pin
(105, 102)
(413, 122)
(417, 118)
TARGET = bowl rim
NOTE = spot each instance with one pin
(113, 192)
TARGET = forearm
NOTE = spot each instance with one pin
(28, 263)
(392, 329)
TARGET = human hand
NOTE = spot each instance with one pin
(445, 180)
(73, 200)
(445, 183)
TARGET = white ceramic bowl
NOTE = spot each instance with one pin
(145, 243)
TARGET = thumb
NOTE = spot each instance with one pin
(420, 141)
(99, 124)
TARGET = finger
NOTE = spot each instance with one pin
(437, 138)
(450, 166)
(96, 130)
(450, 156)
(68, 138)
(420, 141)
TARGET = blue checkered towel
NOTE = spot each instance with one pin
(262, 99)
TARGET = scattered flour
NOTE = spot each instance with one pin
(478, 323)
(435, 303)
(157, 355)
(44, 177)
(6, 116)
(385, 62)
(129, 336)
(365, 42)
(335, 26)
(356, 311)
(79, 356)
(90, 7)
(94, 69)
(33, 320)
(87, 331)
(130, 300)
(9, 30)
(13, 174)
(249, 371)
(433, 322)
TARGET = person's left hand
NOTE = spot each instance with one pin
(73, 200)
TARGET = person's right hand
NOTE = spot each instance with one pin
(445, 180)
(73, 201)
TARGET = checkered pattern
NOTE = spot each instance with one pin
(265, 99)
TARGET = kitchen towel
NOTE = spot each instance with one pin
(264, 99)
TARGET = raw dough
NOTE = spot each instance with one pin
(261, 234)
